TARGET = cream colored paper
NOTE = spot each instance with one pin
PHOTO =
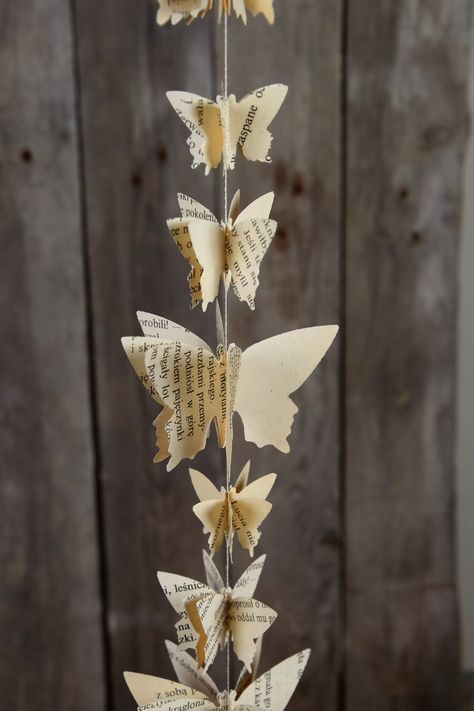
(218, 129)
(197, 387)
(270, 692)
(234, 248)
(176, 10)
(210, 613)
(241, 509)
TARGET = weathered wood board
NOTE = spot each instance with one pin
(51, 653)
(406, 130)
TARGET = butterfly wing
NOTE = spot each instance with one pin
(213, 577)
(247, 621)
(192, 384)
(179, 231)
(247, 244)
(263, 7)
(250, 509)
(207, 616)
(175, 10)
(269, 372)
(274, 689)
(247, 583)
(188, 673)
(202, 117)
(249, 120)
(164, 329)
(147, 689)
(212, 509)
(261, 207)
(179, 589)
(209, 244)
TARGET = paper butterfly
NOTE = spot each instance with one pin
(218, 129)
(210, 613)
(232, 250)
(272, 690)
(241, 509)
(196, 387)
(176, 10)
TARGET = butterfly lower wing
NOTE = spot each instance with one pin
(175, 10)
(213, 516)
(188, 673)
(269, 372)
(248, 620)
(250, 118)
(274, 689)
(262, 7)
(190, 381)
(207, 616)
(247, 244)
(208, 243)
(147, 689)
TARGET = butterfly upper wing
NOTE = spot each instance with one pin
(249, 120)
(250, 509)
(147, 689)
(204, 488)
(247, 244)
(274, 689)
(264, 7)
(261, 207)
(247, 583)
(202, 117)
(213, 577)
(164, 329)
(269, 372)
(179, 589)
(188, 673)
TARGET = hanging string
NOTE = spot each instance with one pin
(226, 313)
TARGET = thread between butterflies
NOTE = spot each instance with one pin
(228, 464)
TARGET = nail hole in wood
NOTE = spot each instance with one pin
(281, 239)
(298, 184)
(136, 179)
(162, 154)
(26, 155)
(404, 193)
(416, 237)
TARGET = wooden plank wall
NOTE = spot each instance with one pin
(367, 165)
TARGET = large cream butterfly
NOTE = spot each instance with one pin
(196, 387)
(176, 10)
(195, 689)
(211, 613)
(219, 128)
(232, 250)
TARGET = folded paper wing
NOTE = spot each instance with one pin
(274, 689)
(218, 129)
(242, 509)
(177, 10)
(270, 371)
(188, 672)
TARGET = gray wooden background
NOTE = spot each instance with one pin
(367, 164)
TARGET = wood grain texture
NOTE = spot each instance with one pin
(51, 653)
(136, 161)
(406, 123)
(299, 286)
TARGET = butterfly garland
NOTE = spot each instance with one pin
(197, 388)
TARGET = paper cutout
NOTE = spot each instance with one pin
(272, 690)
(219, 128)
(241, 509)
(189, 10)
(232, 250)
(210, 613)
(196, 387)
